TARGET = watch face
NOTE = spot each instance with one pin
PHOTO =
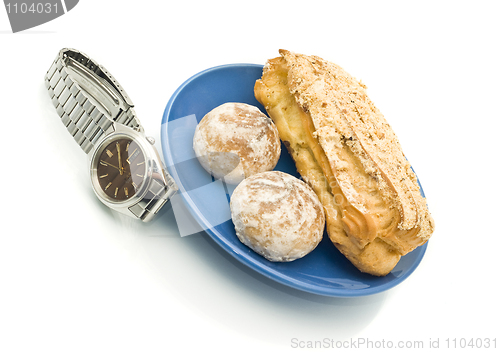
(121, 169)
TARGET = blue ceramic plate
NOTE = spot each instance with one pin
(324, 271)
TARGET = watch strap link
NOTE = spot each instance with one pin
(87, 112)
(157, 195)
(90, 103)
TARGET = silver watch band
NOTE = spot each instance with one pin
(158, 194)
(89, 102)
(87, 98)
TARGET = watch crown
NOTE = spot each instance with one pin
(151, 140)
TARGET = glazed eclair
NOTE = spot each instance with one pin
(347, 152)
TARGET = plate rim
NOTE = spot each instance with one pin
(237, 253)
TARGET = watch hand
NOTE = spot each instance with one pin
(108, 164)
(119, 158)
(130, 155)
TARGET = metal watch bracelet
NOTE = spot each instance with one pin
(89, 100)
(85, 118)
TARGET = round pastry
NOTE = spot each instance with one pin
(236, 140)
(277, 215)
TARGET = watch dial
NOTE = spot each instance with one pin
(121, 169)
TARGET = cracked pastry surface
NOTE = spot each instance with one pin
(345, 149)
(277, 215)
(236, 140)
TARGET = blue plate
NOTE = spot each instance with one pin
(324, 271)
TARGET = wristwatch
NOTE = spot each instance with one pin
(126, 171)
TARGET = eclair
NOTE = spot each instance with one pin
(346, 151)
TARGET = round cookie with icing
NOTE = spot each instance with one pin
(236, 140)
(277, 215)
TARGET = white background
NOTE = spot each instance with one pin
(75, 276)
